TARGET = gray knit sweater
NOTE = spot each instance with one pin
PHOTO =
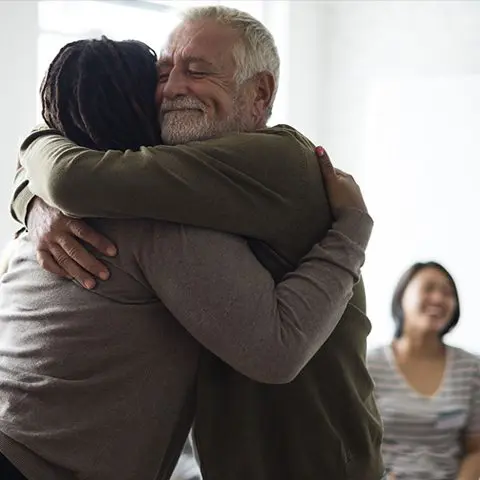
(93, 386)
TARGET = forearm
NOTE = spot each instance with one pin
(233, 183)
(470, 467)
(22, 197)
(269, 332)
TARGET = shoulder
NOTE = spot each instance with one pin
(290, 147)
(190, 243)
(270, 155)
(179, 245)
(465, 360)
(294, 142)
(381, 370)
(464, 355)
(139, 242)
(378, 362)
(377, 354)
(125, 233)
(156, 237)
(300, 164)
(158, 251)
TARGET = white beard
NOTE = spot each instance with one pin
(190, 122)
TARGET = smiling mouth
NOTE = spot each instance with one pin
(435, 312)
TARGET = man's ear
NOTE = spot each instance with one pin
(264, 90)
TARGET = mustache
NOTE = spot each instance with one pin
(182, 103)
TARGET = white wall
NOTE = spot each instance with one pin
(400, 109)
(18, 48)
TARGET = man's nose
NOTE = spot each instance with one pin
(176, 85)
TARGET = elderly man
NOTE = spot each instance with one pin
(219, 75)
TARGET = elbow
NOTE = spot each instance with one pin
(282, 369)
(281, 361)
(282, 376)
(274, 376)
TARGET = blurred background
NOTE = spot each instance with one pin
(390, 88)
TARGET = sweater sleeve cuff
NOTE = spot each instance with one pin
(356, 225)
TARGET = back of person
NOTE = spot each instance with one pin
(95, 385)
(75, 362)
(325, 423)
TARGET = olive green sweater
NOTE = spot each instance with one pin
(266, 186)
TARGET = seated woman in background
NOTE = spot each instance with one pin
(428, 392)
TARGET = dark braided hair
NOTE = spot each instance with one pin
(101, 94)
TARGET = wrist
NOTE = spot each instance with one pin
(33, 204)
(355, 224)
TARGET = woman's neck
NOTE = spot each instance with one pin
(419, 346)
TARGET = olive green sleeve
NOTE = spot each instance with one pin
(22, 195)
(249, 183)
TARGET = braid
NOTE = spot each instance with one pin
(58, 90)
(100, 94)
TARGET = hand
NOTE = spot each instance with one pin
(58, 250)
(341, 188)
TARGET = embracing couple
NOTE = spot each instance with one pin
(183, 268)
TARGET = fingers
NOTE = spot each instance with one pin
(58, 239)
(71, 267)
(47, 262)
(320, 151)
(343, 174)
(80, 255)
(326, 164)
(86, 233)
(68, 258)
(324, 161)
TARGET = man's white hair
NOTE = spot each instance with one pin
(255, 52)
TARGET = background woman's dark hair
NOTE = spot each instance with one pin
(405, 279)
(101, 94)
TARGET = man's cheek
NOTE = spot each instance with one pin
(159, 95)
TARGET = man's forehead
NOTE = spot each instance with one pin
(170, 59)
(200, 40)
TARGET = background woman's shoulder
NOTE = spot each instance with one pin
(377, 356)
(465, 358)
(465, 364)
